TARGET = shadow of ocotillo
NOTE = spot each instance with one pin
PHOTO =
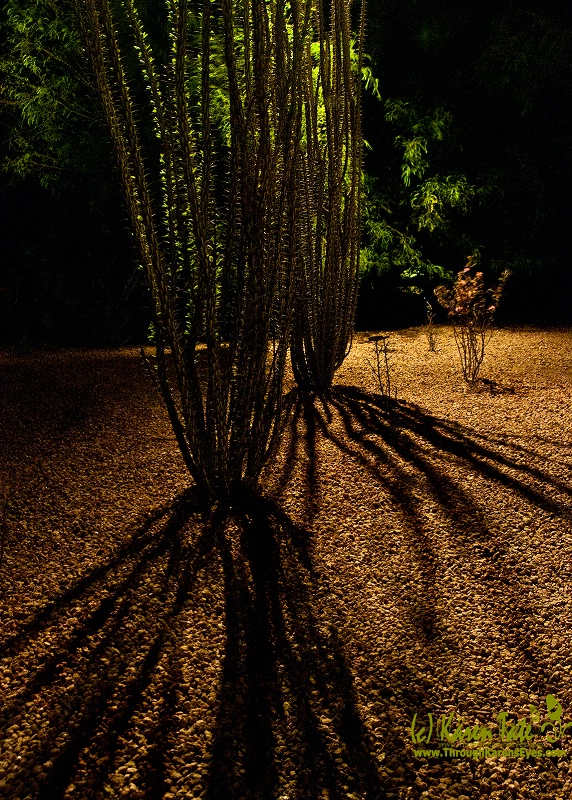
(419, 459)
(89, 660)
(288, 723)
(411, 431)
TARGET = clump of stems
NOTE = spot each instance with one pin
(230, 176)
(330, 194)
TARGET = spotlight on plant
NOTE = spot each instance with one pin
(471, 309)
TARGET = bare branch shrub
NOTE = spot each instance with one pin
(430, 332)
(471, 309)
(381, 367)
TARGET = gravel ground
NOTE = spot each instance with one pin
(410, 557)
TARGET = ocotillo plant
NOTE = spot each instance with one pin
(221, 211)
(330, 225)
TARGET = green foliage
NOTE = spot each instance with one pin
(420, 130)
(370, 82)
(436, 196)
(393, 245)
(67, 265)
(45, 92)
(420, 202)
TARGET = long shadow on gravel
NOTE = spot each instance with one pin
(287, 708)
(287, 702)
(302, 446)
(89, 660)
(406, 430)
(414, 455)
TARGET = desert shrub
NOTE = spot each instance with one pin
(429, 328)
(381, 367)
(471, 309)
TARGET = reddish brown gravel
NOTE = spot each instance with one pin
(409, 556)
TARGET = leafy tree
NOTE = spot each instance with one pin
(420, 203)
(503, 72)
(50, 109)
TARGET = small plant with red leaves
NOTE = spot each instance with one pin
(471, 309)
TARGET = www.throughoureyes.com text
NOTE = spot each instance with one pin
(532, 736)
